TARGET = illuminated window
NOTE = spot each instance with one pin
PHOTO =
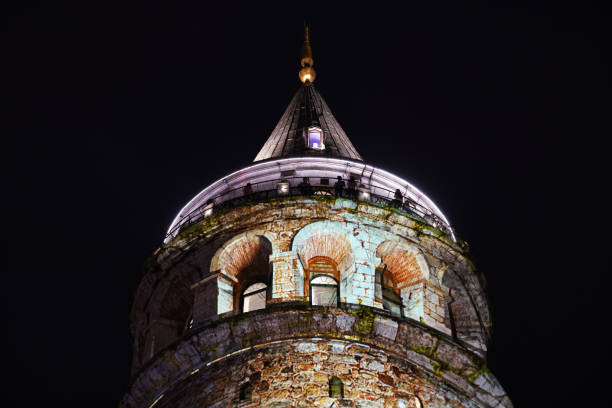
(315, 138)
(387, 291)
(323, 286)
(392, 301)
(254, 297)
(324, 291)
(336, 388)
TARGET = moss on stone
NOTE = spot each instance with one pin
(421, 227)
(365, 323)
(427, 351)
(439, 367)
(324, 198)
(482, 369)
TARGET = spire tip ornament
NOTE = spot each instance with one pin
(307, 73)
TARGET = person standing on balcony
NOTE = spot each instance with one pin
(305, 187)
(398, 199)
(339, 186)
(352, 188)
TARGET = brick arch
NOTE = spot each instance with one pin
(246, 250)
(409, 271)
(169, 312)
(464, 320)
(329, 245)
(404, 262)
(325, 239)
(241, 261)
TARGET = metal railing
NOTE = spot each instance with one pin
(294, 186)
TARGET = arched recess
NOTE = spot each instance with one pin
(407, 269)
(169, 312)
(175, 312)
(335, 242)
(239, 263)
(463, 319)
(250, 240)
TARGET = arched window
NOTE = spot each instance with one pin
(315, 138)
(392, 301)
(324, 291)
(336, 388)
(254, 297)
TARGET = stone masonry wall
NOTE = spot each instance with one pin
(287, 225)
(289, 351)
(297, 374)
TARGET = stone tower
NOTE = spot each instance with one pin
(310, 278)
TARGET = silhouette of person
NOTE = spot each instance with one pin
(398, 199)
(339, 186)
(351, 191)
(305, 187)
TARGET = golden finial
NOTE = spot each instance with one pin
(307, 73)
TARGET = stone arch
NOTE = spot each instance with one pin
(404, 261)
(324, 239)
(244, 246)
(336, 241)
(169, 311)
(410, 273)
(463, 318)
(240, 262)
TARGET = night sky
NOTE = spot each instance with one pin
(115, 115)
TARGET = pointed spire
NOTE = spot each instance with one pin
(307, 73)
(307, 111)
(308, 127)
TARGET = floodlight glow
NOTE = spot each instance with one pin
(208, 210)
(364, 195)
(156, 401)
(282, 188)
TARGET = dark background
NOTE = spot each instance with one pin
(114, 115)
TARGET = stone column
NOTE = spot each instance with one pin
(412, 300)
(358, 282)
(287, 276)
(213, 296)
(434, 307)
(362, 289)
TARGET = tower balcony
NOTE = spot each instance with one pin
(299, 176)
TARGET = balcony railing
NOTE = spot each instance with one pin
(317, 186)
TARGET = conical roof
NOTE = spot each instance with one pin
(307, 111)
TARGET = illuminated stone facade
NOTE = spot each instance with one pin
(289, 350)
(278, 286)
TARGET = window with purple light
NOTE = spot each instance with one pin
(314, 138)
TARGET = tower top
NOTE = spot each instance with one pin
(308, 127)
(307, 73)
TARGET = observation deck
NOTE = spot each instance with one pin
(282, 177)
